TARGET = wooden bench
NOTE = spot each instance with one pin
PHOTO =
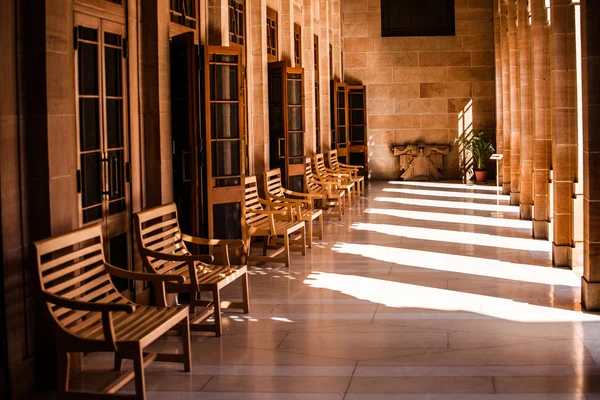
(344, 180)
(306, 212)
(276, 225)
(326, 191)
(336, 165)
(88, 314)
(163, 249)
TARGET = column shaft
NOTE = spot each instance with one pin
(506, 120)
(499, 93)
(515, 105)
(524, 34)
(590, 15)
(542, 143)
(564, 127)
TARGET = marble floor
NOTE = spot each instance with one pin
(423, 291)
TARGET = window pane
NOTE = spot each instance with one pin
(296, 144)
(89, 128)
(92, 214)
(357, 159)
(225, 85)
(356, 100)
(113, 71)
(224, 120)
(357, 117)
(91, 179)
(114, 122)
(88, 68)
(341, 117)
(297, 183)
(226, 158)
(295, 118)
(357, 134)
(295, 92)
(342, 137)
(227, 221)
(341, 99)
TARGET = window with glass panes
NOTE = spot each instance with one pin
(184, 12)
(271, 34)
(236, 21)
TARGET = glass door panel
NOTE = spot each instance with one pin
(185, 131)
(286, 117)
(339, 134)
(102, 135)
(224, 140)
(358, 139)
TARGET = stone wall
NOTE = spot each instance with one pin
(418, 86)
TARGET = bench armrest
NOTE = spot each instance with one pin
(177, 257)
(87, 306)
(104, 308)
(269, 212)
(142, 276)
(350, 166)
(223, 243)
(211, 242)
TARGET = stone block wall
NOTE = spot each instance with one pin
(418, 86)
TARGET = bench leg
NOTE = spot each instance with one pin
(217, 312)
(138, 367)
(321, 226)
(310, 232)
(286, 244)
(62, 373)
(118, 363)
(304, 239)
(185, 338)
(245, 293)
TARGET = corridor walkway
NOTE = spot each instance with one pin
(423, 291)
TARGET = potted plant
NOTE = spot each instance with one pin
(481, 147)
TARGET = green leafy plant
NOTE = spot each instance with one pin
(480, 145)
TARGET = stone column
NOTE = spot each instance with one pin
(156, 103)
(499, 97)
(590, 15)
(524, 33)
(308, 62)
(324, 76)
(286, 28)
(564, 127)
(515, 104)
(542, 143)
(258, 82)
(506, 119)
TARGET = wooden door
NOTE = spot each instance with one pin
(102, 135)
(223, 135)
(339, 109)
(185, 128)
(358, 138)
(286, 123)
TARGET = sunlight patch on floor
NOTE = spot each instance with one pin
(450, 236)
(486, 267)
(457, 195)
(403, 295)
(453, 218)
(456, 205)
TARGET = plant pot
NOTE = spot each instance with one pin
(481, 176)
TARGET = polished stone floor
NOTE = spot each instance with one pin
(423, 291)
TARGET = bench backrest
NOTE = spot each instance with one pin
(251, 202)
(157, 229)
(72, 266)
(273, 183)
(333, 158)
(308, 176)
(320, 162)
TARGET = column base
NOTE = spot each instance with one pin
(590, 295)
(561, 256)
(526, 211)
(514, 198)
(541, 229)
(505, 188)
